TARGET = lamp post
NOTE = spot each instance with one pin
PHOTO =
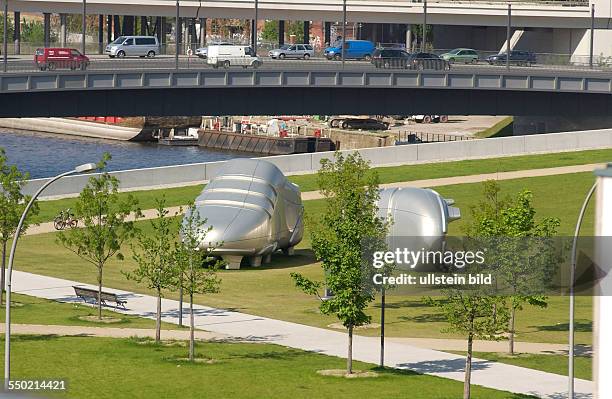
(572, 295)
(7, 343)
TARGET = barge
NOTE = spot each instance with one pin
(267, 145)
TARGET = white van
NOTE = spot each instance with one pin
(227, 56)
(126, 46)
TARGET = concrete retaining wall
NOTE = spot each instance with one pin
(184, 175)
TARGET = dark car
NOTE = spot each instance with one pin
(516, 57)
(390, 58)
(422, 61)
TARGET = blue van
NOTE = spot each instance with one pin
(355, 49)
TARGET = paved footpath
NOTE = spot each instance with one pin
(366, 349)
(443, 181)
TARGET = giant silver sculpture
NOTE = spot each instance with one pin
(419, 217)
(253, 210)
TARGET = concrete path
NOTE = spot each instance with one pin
(261, 329)
(111, 332)
(443, 181)
(449, 344)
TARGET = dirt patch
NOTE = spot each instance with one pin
(166, 342)
(339, 326)
(343, 373)
(104, 320)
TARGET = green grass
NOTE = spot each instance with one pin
(32, 310)
(502, 128)
(556, 364)
(182, 195)
(122, 368)
(259, 291)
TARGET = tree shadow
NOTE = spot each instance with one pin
(579, 326)
(454, 365)
(402, 304)
(424, 318)
(29, 338)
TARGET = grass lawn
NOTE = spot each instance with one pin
(32, 310)
(182, 195)
(123, 368)
(259, 291)
(557, 364)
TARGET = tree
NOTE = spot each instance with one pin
(9, 23)
(269, 31)
(524, 255)
(12, 205)
(153, 252)
(103, 213)
(33, 32)
(196, 268)
(351, 192)
(477, 315)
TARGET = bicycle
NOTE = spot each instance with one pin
(65, 219)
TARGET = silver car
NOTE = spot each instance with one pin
(303, 51)
(129, 46)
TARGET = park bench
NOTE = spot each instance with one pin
(87, 293)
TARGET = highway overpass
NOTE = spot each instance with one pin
(559, 14)
(468, 91)
(559, 27)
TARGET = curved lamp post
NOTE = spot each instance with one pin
(7, 343)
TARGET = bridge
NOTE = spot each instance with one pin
(551, 14)
(273, 91)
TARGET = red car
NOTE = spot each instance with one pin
(52, 58)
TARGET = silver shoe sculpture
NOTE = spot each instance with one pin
(253, 210)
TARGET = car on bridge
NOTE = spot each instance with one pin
(202, 52)
(53, 58)
(520, 58)
(354, 49)
(463, 55)
(300, 51)
(390, 58)
(423, 61)
(227, 56)
(127, 46)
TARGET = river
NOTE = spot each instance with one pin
(45, 155)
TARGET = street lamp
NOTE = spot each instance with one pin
(572, 295)
(7, 343)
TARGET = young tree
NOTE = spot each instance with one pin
(475, 314)
(12, 204)
(350, 219)
(154, 254)
(524, 255)
(196, 268)
(103, 213)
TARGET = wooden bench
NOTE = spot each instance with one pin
(87, 293)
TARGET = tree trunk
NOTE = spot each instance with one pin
(191, 330)
(180, 317)
(99, 292)
(349, 358)
(468, 369)
(158, 318)
(2, 274)
(511, 331)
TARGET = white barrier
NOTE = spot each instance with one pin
(192, 174)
